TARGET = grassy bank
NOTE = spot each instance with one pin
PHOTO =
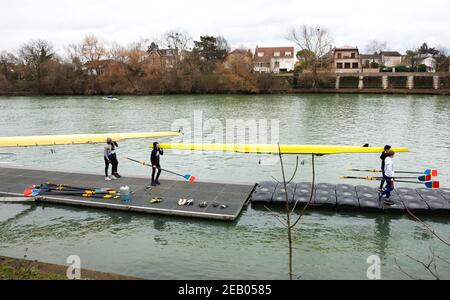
(21, 269)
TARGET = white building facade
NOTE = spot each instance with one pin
(274, 59)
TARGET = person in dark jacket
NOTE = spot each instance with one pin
(388, 176)
(383, 157)
(155, 160)
(110, 157)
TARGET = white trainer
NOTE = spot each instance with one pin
(113, 177)
(108, 178)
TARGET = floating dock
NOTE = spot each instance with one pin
(234, 196)
(346, 197)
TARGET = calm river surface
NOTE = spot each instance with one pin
(327, 245)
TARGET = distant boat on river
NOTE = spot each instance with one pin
(110, 98)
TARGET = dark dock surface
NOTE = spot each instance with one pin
(341, 197)
(13, 181)
(346, 197)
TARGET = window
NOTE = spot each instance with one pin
(260, 54)
(353, 55)
(339, 55)
(339, 66)
(347, 65)
(288, 54)
(277, 54)
(277, 64)
(355, 66)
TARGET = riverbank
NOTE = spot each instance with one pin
(295, 91)
(22, 269)
(372, 91)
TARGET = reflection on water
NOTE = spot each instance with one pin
(326, 244)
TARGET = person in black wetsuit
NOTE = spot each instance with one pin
(155, 160)
(383, 156)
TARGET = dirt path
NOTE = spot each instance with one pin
(21, 269)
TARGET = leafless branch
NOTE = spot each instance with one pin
(275, 216)
(311, 197)
(288, 214)
(429, 227)
(293, 175)
(401, 270)
(430, 265)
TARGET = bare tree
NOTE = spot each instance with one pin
(317, 41)
(8, 63)
(178, 40)
(431, 266)
(222, 44)
(117, 52)
(290, 221)
(34, 55)
(442, 60)
(375, 46)
(92, 53)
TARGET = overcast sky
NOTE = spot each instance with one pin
(402, 24)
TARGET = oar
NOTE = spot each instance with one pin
(80, 192)
(31, 192)
(431, 172)
(34, 191)
(188, 177)
(423, 178)
(429, 185)
(61, 187)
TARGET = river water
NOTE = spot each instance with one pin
(327, 245)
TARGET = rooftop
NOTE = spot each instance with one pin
(269, 52)
(390, 53)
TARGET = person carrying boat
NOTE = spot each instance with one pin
(383, 159)
(388, 176)
(155, 160)
(110, 157)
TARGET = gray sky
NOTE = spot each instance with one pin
(402, 24)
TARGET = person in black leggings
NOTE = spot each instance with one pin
(110, 157)
(383, 161)
(155, 160)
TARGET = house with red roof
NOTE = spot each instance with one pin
(274, 59)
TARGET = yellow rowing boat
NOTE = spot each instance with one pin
(273, 148)
(75, 139)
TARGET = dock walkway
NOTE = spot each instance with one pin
(13, 181)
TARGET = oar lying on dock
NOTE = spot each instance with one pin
(188, 177)
(430, 172)
(62, 187)
(428, 185)
(49, 189)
